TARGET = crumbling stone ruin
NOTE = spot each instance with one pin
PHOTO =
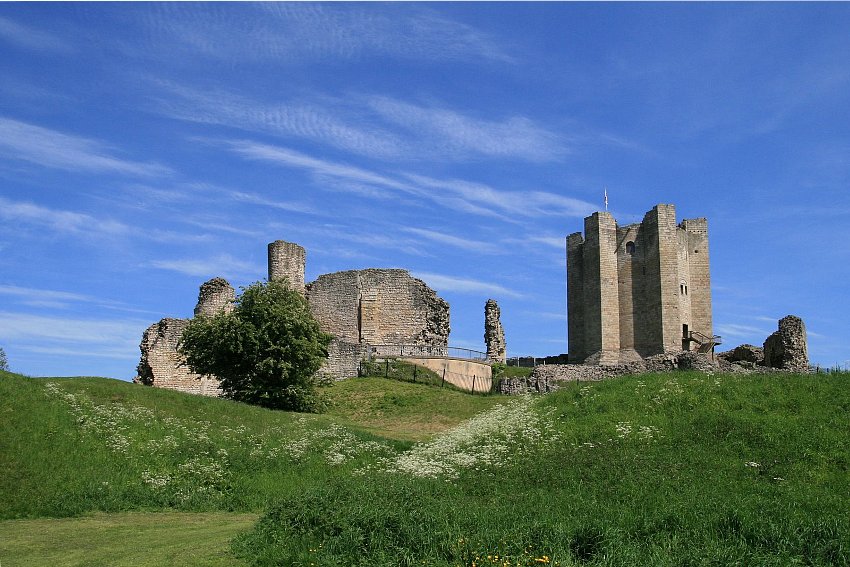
(638, 290)
(287, 260)
(358, 307)
(379, 307)
(786, 349)
(163, 366)
(215, 296)
(494, 333)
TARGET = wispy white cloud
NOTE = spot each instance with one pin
(50, 148)
(31, 38)
(106, 351)
(558, 242)
(464, 285)
(292, 119)
(58, 299)
(374, 126)
(374, 236)
(292, 158)
(293, 33)
(514, 203)
(14, 212)
(452, 133)
(455, 241)
(221, 225)
(741, 331)
(223, 265)
(69, 330)
(48, 294)
(256, 199)
(557, 315)
(459, 195)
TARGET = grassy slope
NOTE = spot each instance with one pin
(680, 469)
(52, 465)
(400, 410)
(641, 471)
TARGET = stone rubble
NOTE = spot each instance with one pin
(787, 348)
(784, 350)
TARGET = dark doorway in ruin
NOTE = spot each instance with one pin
(685, 338)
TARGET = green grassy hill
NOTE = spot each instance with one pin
(675, 469)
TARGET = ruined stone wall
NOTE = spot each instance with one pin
(788, 348)
(343, 360)
(379, 306)
(161, 365)
(287, 260)
(357, 307)
(494, 333)
(215, 296)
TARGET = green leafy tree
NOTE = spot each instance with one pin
(4, 362)
(266, 352)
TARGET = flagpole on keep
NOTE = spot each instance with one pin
(606, 198)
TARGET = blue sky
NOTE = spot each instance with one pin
(146, 148)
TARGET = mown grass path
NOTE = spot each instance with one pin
(130, 539)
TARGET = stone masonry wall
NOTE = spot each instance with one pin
(379, 306)
(494, 333)
(343, 360)
(787, 348)
(161, 365)
(215, 296)
(287, 260)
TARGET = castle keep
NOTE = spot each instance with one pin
(638, 290)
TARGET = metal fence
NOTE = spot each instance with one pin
(424, 351)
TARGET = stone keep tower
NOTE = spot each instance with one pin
(287, 260)
(638, 290)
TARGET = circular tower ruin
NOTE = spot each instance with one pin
(287, 260)
(215, 296)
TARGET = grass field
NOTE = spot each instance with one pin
(666, 469)
(128, 539)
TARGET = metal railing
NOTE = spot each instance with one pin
(424, 351)
(705, 343)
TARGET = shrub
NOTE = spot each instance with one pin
(266, 352)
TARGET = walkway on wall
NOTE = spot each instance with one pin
(464, 368)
